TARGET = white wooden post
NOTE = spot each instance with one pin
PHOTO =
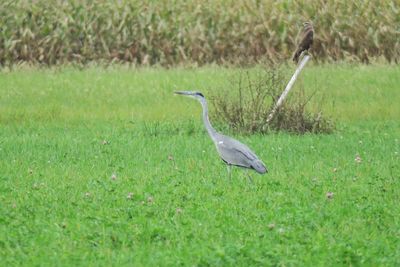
(288, 87)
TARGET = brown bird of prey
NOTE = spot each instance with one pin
(307, 38)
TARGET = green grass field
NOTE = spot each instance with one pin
(106, 167)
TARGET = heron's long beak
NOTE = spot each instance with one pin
(183, 93)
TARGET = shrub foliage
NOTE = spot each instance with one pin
(169, 32)
(246, 105)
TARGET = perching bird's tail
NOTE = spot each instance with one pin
(258, 166)
(297, 55)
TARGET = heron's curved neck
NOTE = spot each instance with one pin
(211, 131)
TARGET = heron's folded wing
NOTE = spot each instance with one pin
(237, 147)
(247, 153)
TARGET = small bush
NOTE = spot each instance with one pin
(251, 97)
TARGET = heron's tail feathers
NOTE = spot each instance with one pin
(259, 166)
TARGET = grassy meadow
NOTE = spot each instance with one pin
(106, 167)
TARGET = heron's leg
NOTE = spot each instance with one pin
(229, 168)
(248, 175)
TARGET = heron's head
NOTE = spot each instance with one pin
(193, 94)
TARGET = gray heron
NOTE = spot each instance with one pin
(231, 151)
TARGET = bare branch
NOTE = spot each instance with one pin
(288, 87)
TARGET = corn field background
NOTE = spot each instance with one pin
(177, 32)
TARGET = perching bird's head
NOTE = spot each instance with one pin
(193, 94)
(307, 24)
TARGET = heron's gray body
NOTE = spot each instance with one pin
(231, 151)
